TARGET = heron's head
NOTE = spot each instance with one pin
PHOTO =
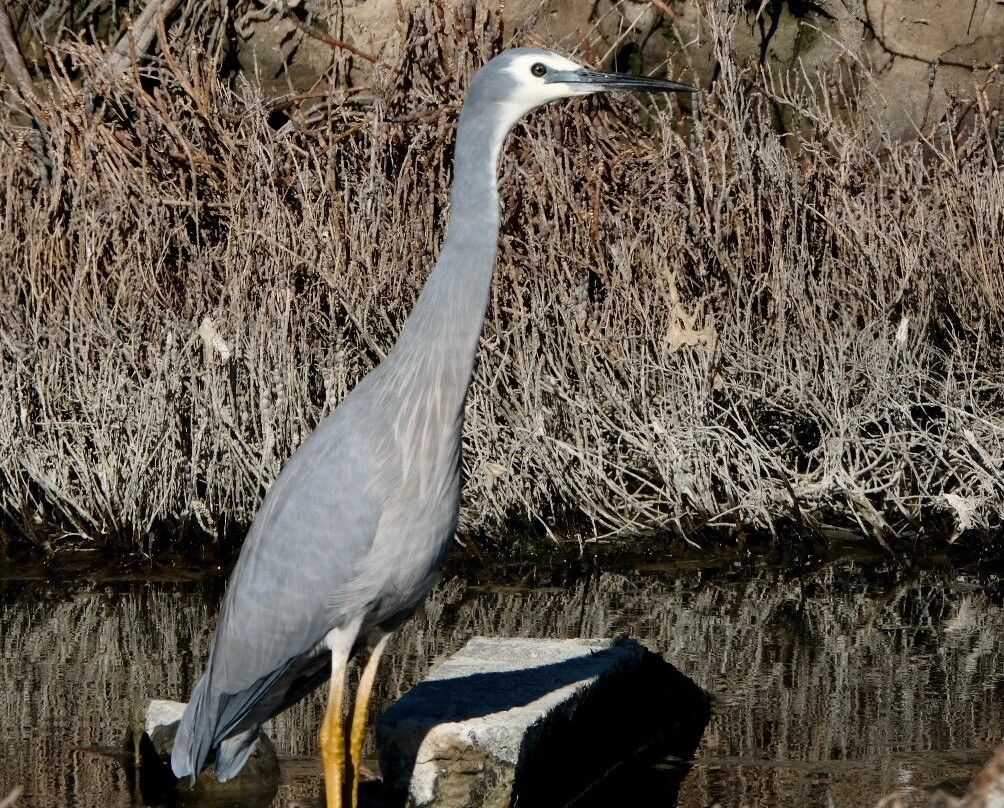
(521, 79)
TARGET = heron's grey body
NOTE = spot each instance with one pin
(352, 534)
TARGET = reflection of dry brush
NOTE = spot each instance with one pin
(877, 664)
(717, 326)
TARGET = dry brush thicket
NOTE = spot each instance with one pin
(696, 321)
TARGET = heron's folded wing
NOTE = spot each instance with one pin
(314, 528)
(309, 538)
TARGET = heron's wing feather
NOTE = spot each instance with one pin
(313, 530)
(233, 754)
(271, 694)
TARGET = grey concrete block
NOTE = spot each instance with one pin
(539, 720)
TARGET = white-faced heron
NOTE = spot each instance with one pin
(352, 534)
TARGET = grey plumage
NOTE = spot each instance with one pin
(352, 535)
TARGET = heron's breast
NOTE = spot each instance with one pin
(416, 528)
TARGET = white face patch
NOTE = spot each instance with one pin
(530, 91)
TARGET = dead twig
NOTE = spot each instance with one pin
(26, 89)
(136, 40)
(11, 799)
(327, 39)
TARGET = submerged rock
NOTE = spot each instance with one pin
(150, 740)
(535, 722)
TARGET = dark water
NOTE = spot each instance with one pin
(835, 684)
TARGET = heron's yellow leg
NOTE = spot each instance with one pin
(333, 740)
(360, 713)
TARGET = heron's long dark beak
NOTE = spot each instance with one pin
(598, 81)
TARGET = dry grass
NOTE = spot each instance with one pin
(696, 321)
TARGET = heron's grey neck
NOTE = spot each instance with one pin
(437, 345)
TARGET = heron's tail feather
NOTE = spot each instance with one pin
(193, 741)
(207, 717)
(234, 753)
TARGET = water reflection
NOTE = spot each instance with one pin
(842, 683)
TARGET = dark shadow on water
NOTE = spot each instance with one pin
(588, 755)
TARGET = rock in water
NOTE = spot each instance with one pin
(151, 735)
(535, 722)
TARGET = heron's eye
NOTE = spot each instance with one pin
(538, 69)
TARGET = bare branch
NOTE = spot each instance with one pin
(141, 32)
(26, 89)
(327, 39)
